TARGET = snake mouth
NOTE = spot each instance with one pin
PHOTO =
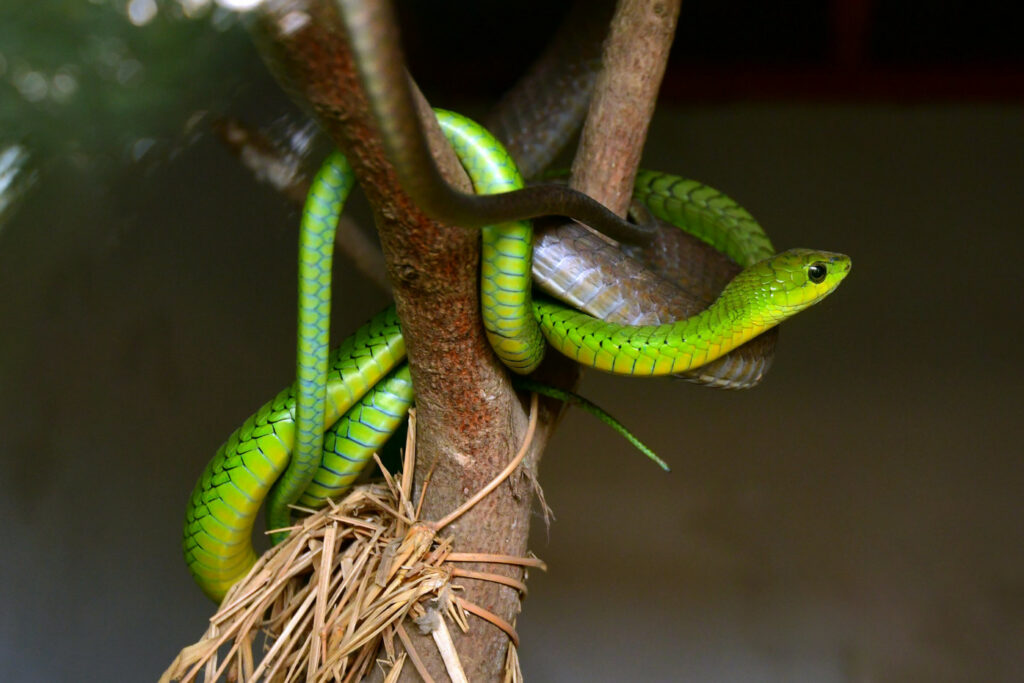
(841, 262)
(844, 263)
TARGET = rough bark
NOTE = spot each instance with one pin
(635, 54)
(470, 420)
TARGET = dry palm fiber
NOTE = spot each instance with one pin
(320, 605)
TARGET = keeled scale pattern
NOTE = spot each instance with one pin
(759, 298)
(506, 251)
(218, 523)
(705, 213)
(362, 431)
(327, 195)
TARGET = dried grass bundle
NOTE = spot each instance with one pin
(318, 606)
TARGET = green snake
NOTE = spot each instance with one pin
(367, 390)
(372, 36)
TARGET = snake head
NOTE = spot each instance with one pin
(803, 277)
(791, 281)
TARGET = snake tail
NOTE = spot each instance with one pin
(373, 37)
(527, 384)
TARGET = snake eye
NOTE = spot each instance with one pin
(817, 272)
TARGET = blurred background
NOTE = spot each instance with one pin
(856, 518)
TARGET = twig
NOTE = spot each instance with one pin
(409, 465)
(489, 616)
(320, 611)
(497, 578)
(443, 639)
(280, 166)
(535, 562)
(413, 655)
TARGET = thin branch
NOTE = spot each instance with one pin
(635, 55)
(280, 165)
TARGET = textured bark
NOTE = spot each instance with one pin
(635, 54)
(470, 420)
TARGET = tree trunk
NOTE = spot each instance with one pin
(470, 421)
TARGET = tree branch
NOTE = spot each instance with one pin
(280, 166)
(635, 55)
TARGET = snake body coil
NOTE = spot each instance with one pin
(368, 389)
(222, 510)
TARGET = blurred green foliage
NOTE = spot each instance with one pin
(90, 82)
